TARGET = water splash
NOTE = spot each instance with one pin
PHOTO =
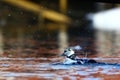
(77, 47)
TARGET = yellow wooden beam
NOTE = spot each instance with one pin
(46, 13)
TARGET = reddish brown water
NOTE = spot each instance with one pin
(41, 69)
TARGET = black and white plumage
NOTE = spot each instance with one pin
(70, 58)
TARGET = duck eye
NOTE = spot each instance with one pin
(69, 49)
(65, 51)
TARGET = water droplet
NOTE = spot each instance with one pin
(77, 21)
(69, 11)
(29, 25)
(9, 14)
(21, 12)
(34, 18)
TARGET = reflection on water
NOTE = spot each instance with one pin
(42, 69)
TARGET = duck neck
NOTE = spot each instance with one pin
(73, 57)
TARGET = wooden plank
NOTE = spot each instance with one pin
(46, 13)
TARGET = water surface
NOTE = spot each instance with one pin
(42, 69)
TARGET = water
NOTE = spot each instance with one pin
(42, 69)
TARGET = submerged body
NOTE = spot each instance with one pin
(71, 58)
(78, 61)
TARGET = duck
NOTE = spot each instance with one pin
(71, 58)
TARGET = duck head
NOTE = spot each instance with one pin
(69, 53)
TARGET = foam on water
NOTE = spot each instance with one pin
(91, 78)
(11, 74)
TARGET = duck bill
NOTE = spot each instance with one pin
(62, 54)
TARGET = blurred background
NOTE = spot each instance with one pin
(37, 28)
